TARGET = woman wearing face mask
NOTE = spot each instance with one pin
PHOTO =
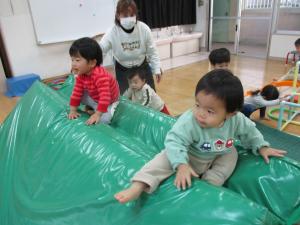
(132, 46)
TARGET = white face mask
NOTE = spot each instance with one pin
(128, 22)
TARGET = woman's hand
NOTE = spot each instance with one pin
(158, 77)
(265, 152)
(184, 176)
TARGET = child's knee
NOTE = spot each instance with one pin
(221, 168)
(106, 118)
(216, 178)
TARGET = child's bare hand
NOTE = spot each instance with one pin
(265, 152)
(94, 119)
(285, 97)
(73, 115)
(184, 176)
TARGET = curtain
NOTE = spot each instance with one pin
(164, 13)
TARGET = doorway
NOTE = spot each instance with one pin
(242, 26)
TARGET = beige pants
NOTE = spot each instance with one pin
(214, 171)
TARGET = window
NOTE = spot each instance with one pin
(261, 4)
(288, 13)
(257, 4)
(288, 17)
(289, 3)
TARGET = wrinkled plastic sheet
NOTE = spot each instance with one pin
(59, 171)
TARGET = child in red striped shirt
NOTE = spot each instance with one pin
(94, 86)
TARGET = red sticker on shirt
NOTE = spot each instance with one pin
(229, 143)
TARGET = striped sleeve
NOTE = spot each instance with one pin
(103, 87)
(114, 90)
(146, 97)
(77, 92)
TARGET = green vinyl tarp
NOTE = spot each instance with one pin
(59, 171)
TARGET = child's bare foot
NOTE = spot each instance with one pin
(131, 193)
(89, 110)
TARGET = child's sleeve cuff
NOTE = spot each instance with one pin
(257, 147)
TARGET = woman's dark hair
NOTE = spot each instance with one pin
(297, 42)
(87, 48)
(225, 86)
(218, 56)
(123, 6)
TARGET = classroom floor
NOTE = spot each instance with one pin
(178, 84)
(245, 49)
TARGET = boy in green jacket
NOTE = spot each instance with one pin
(200, 144)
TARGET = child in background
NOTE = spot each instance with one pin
(94, 86)
(219, 58)
(140, 92)
(260, 99)
(200, 144)
(290, 74)
(297, 49)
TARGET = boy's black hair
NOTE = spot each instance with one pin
(218, 56)
(140, 72)
(297, 42)
(225, 86)
(270, 92)
(87, 48)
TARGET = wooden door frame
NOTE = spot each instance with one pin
(4, 58)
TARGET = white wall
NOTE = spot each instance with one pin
(25, 56)
(281, 45)
(202, 21)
